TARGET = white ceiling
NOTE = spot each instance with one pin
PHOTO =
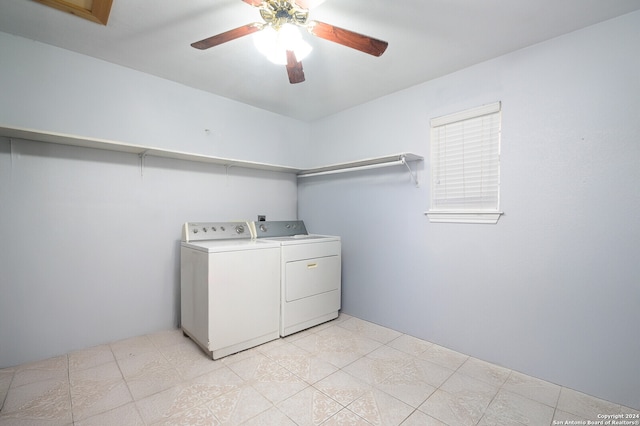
(427, 39)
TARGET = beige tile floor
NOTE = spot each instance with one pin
(345, 372)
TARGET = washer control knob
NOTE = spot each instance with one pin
(263, 228)
(288, 225)
(239, 229)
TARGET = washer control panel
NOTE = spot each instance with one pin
(280, 228)
(200, 231)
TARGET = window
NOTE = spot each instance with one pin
(465, 166)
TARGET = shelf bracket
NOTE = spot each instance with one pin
(11, 154)
(226, 171)
(414, 176)
(142, 156)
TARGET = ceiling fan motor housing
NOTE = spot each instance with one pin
(279, 12)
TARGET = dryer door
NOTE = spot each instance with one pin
(310, 277)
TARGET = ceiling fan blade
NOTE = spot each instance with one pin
(255, 3)
(348, 38)
(294, 68)
(227, 36)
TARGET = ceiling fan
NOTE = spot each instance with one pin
(279, 13)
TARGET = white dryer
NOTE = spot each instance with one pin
(311, 267)
(230, 287)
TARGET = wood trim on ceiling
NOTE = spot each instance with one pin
(93, 10)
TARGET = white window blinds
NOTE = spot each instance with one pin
(465, 162)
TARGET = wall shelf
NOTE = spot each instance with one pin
(143, 151)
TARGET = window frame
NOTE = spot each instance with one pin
(465, 214)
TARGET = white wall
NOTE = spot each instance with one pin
(88, 238)
(54, 90)
(553, 289)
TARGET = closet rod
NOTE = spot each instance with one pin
(353, 169)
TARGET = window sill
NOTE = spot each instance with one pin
(463, 216)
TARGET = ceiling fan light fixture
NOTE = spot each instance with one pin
(279, 39)
(274, 43)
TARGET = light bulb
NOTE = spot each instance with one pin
(274, 43)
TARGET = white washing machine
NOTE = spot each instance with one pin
(311, 267)
(230, 287)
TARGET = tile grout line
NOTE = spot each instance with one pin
(6, 395)
(73, 415)
(555, 408)
(441, 384)
(126, 383)
(484, 412)
(411, 356)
